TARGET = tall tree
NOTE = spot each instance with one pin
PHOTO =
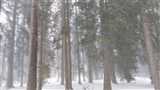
(64, 44)
(22, 62)
(40, 74)
(9, 83)
(0, 6)
(83, 63)
(69, 45)
(78, 53)
(152, 61)
(32, 69)
(104, 18)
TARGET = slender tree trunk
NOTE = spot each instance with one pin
(83, 67)
(152, 61)
(90, 71)
(32, 70)
(58, 54)
(69, 48)
(62, 64)
(9, 83)
(63, 43)
(22, 63)
(40, 79)
(0, 6)
(78, 57)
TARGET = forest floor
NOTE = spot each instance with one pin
(139, 84)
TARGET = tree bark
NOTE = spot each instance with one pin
(32, 70)
(62, 65)
(63, 43)
(103, 17)
(83, 66)
(22, 62)
(152, 61)
(0, 6)
(78, 57)
(69, 48)
(90, 71)
(9, 83)
(40, 79)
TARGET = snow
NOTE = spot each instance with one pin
(139, 84)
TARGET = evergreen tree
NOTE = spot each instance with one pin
(32, 69)
(9, 83)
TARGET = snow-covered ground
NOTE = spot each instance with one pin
(138, 84)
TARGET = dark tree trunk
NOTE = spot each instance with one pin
(69, 47)
(64, 27)
(9, 83)
(103, 17)
(152, 61)
(32, 70)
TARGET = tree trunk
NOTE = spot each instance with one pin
(32, 70)
(83, 67)
(90, 71)
(63, 43)
(22, 63)
(103, 17)
(0, 6)
(69, 48)
(40, 79)
(78, 57)
(62, 65)
(9, 83)
(58, 54)
(152, 61)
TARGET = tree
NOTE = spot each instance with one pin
(152, 61)
(69, 45)
(9, 83)
(32, 69)
(22, 62)
(0, 6)
(40, 74)
(78, 54)
(104, 19)
(64, 46)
